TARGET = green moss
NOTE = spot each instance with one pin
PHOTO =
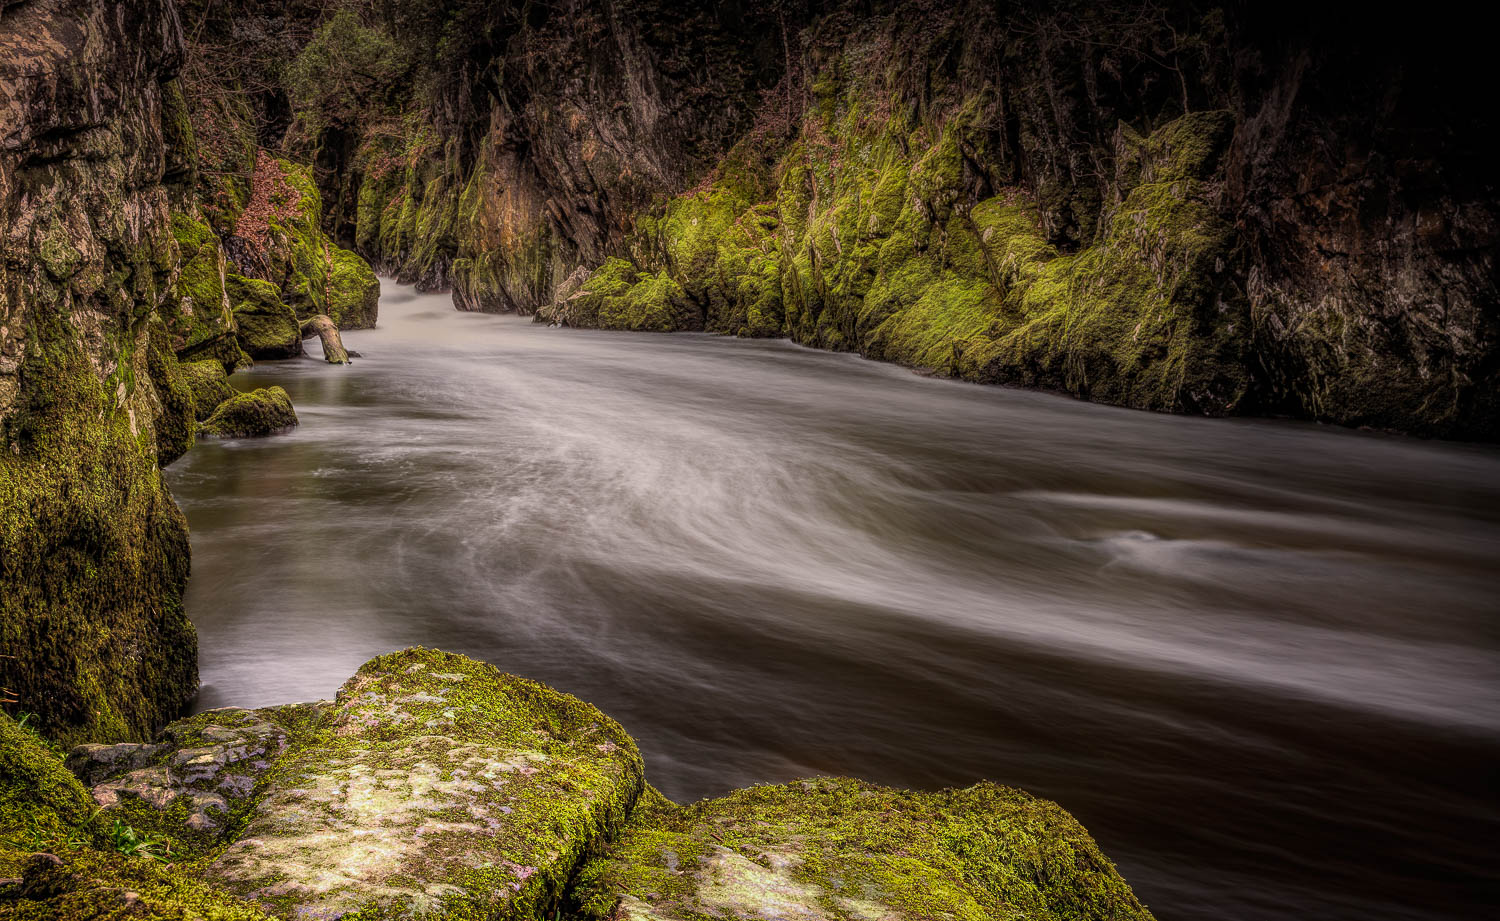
(198, 314)
(173, 417)
(833, 848)
(353, 291)
(101, 886)
(266, 411)
(266, 326)
(207, 385)
(93, 552)
(443, 786)
(42, 805)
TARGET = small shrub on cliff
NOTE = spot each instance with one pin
(341, 69)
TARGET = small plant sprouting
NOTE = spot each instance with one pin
(132, 843)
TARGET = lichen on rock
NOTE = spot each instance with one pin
(441, 785)
(843, 850)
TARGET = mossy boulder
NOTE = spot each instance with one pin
(266, 411)
(441, 786)
(207, 384)
(267, 326)
(353, 291)
(618, 296)
(198, 313)
(844, 850)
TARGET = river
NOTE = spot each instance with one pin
(1260, 661)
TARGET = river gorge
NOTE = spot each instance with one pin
(1257, 659)
(747, 460)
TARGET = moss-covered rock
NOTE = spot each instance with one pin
(436, 786)
(441, 786)
(63, 862)
(353, 291)
(207, 384)
(266, 411)
(93, 554)
(844, 850)
(192, 791)
(198, 313)
(42, 804)
(617, 296)
(266, 325)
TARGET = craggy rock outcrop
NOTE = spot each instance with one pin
(280, 240)
(199, 314)
(1134, 205)
(588, 113)
(93, 552)
(1164, 206)
(267, 411)
(834, 849)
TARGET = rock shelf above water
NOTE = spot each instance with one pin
(436, 786)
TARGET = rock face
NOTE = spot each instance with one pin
(266, 411)
(199, 314)
(1164, 206)
(1039, 200)
(93, 553)
(834, 850)
(267, 326)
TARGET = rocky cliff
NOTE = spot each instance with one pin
(93, 552)
(1155, 205)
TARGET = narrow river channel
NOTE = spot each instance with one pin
(1260, 661)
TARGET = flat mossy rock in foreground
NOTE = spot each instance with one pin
(248, 415)
(437, 787)
(844, 850)
(442, 787)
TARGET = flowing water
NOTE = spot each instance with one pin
(1260, 661)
